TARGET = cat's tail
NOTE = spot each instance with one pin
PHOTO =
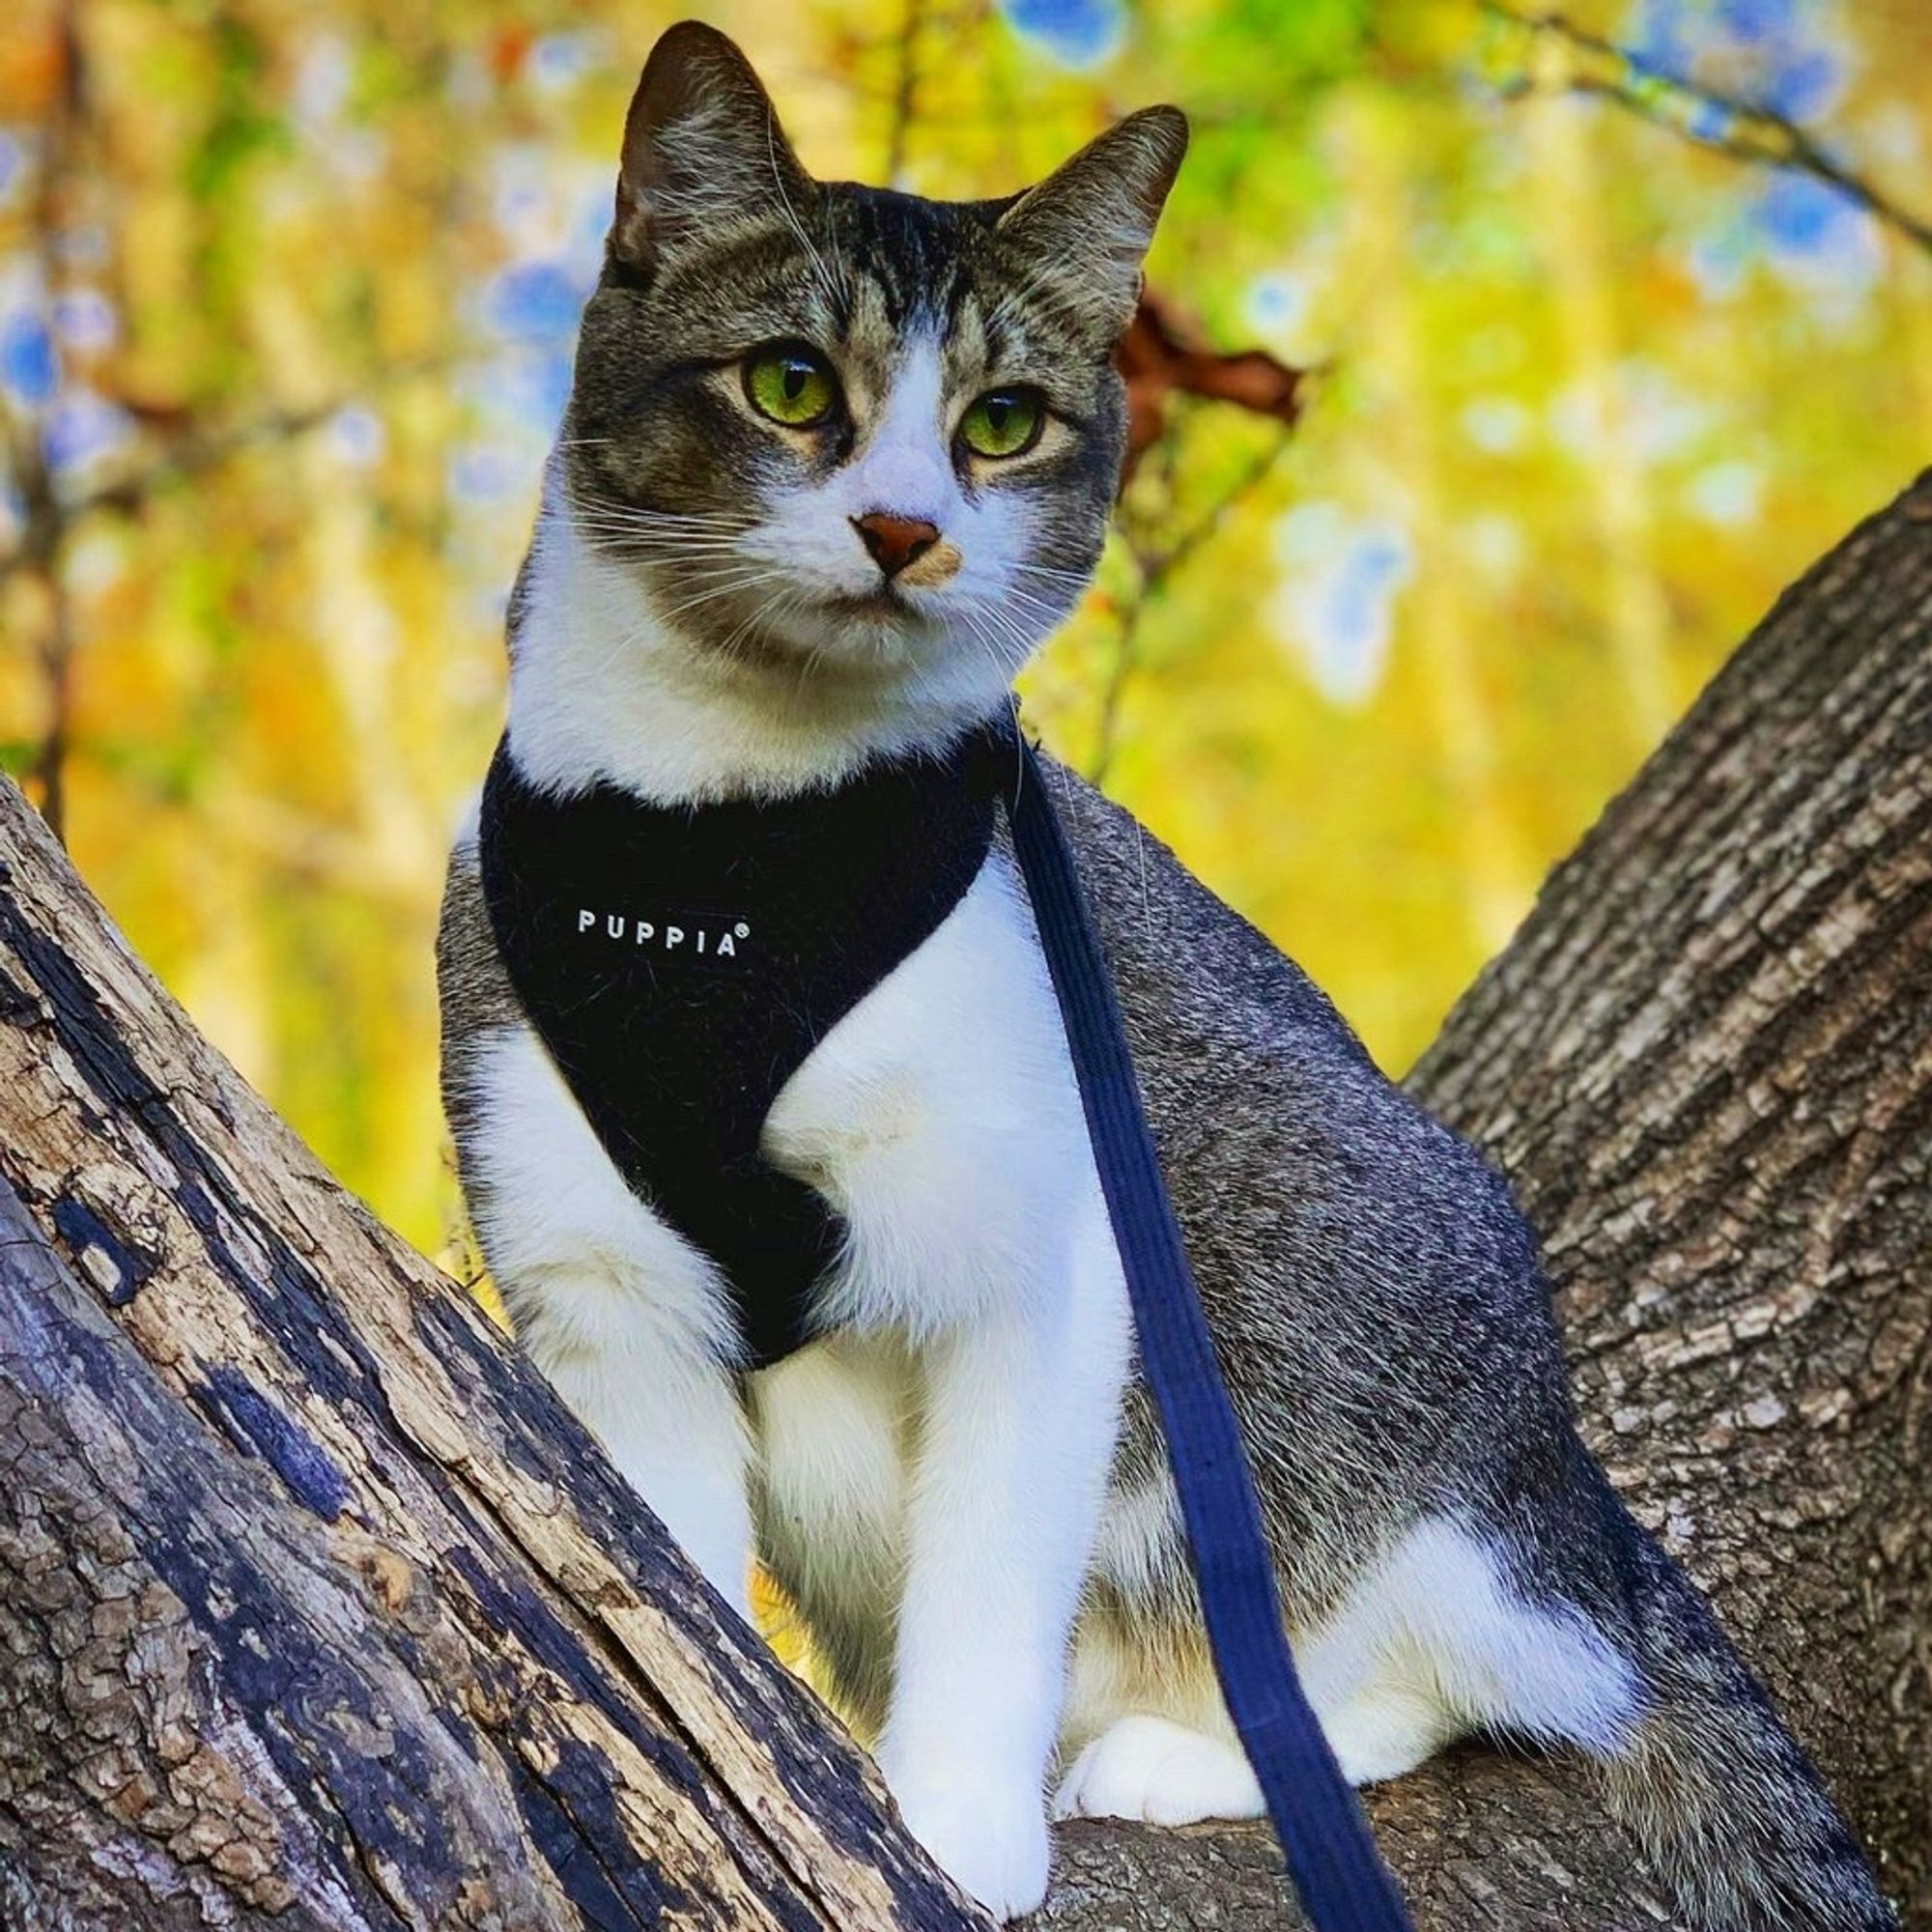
(1733, 1816)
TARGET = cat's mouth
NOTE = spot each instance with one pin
(885, 601)
(880, 629)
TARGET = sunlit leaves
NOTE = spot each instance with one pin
(1590, 391)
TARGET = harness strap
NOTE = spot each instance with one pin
(1342, 1882)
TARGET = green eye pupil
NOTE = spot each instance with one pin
(1003, 423)
(791, 386)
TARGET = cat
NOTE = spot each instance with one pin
(835, 461)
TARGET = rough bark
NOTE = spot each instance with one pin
(315, 1609)
(1705, 1064)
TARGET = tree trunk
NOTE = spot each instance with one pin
(316, 1609)
(1705, 1064)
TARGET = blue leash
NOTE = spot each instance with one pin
(1342, 1882)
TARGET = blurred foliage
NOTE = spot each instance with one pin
(286, 299)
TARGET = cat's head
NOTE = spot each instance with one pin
(844, 432)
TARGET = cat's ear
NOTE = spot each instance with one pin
(702, 147)
(1094, 216)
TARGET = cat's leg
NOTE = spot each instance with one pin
(1149, 1767)
(1169, 1772)
(674, 1429)
(941, 1118)
(1017, 1430)
(1147, 1734)
(830, 1490)
(618, 1311)
(1144, 1733)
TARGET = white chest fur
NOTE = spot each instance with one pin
(941, 1118)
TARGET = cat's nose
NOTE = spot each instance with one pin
(895, 541)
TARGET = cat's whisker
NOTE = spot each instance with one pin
(668, 533)
(668, 543)
(1082, 579)
(666, 547)
(1015, 636)
(987, 647)
(1030, 601)
(1022, 636)
(639, 514)
(672, 543)
(714, 594)
(757, 618)
(651, 519)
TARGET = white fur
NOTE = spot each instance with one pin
(623, 1316)
(835, 1425)
(1150, 1768)
(602, 688)
(901, 466)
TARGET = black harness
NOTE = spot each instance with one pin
(680, 962)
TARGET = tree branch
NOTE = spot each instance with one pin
(1711, 117)
(318, 1611)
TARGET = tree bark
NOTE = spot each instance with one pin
(316, 1609)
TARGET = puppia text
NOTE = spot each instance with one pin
(690, 935)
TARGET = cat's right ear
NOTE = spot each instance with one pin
(702, 147)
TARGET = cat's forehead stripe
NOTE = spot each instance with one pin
(864, 266)
(913, 250)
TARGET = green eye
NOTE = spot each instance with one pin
(1002, 422)
(790, 384)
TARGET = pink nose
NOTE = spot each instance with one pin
(895, 541)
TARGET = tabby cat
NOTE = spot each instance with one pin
(835, 460)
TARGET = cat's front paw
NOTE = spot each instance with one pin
(989, 1839)
(1147, 1767)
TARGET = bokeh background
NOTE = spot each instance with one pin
(1610, 325)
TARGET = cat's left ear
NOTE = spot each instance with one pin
(703, 148)
(1094, 216)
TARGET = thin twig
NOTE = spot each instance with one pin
(196, 451)
(1107, 727)
(1169, 558)
(1155, 567)
(43, 539)
(905, 90)
(1748, 130)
